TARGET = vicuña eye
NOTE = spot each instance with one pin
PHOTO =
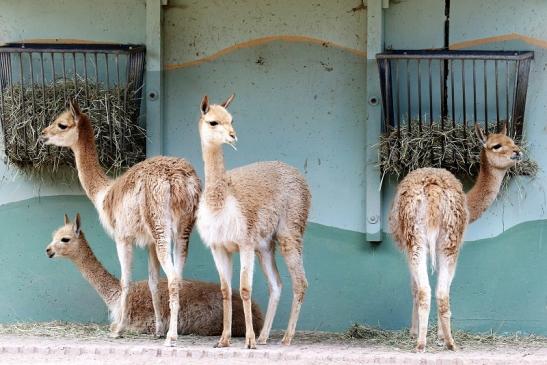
(213, 123)
(64, 239)
(62, 126)
(496, 146)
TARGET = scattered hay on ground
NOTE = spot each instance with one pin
(113, 111)
(402, 339)
(455, 148)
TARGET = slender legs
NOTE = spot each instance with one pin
(181, 246)
(447, 269)
(223, 262)
(153, 280)
(269, 267)
(247, 258)
(125, 255)
(291, 249)
(422, 292)
(414, 325)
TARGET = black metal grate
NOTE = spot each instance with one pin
(28, 70)
(421, 87)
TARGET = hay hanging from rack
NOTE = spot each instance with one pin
(454, 148)
(114, 115)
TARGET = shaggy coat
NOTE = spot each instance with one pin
(251, 209)
(429, 216)
(200, 303)
(153, 202)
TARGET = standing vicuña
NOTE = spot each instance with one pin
(429, 215)
(149, 204)
(200, 303)
(249, 209)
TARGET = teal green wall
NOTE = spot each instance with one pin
(299, 72)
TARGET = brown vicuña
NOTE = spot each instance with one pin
(250, 209)
(429, 216)
(149, 204)
(200, 310)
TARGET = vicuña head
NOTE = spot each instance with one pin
(215, 124)
(499, 150)
(64, 131)
(68, 240)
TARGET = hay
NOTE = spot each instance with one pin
(403, 340)
(120, 139)
(454, 148)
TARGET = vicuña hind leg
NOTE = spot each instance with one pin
(180, 248)
(447, 269)
(418, 271)
(267, 261)
(124, 248)
(223, 262)
(414, 323)
(291, 249)
(153, 280)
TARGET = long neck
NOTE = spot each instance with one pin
(216, 183)
(485, 190)
(104, 283)
(90, 172)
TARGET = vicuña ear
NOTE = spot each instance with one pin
(228, 101)
(74, 108)
(504, 129)
(204, 105)
(480, 134)
(67, 221)
(77, 225)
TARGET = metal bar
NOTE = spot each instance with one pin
(475, 120)
(11, 89)
(398, 100)
(485, 100)
(430, 97)
(442, 95)
(76, 90)
(107, 101)
(497, 96)
(463, 100)
(507, 91)
(86, 82)
(452, 89)
(42, 73)
(419, 97)
(3, 112)
(459, 54)
(53, 76)
(32, 84)
(64, 78)
(69, 48)
(408, 97)
(522, 71)
(116, 58)
(22, 96)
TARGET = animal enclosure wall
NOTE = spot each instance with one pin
(299, 73)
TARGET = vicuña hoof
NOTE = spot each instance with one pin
(262, 340)
(420, 348)
(115, 331)
(223, 342)
(451, 346)
(286, 340)
(170, 340)
(250, 342)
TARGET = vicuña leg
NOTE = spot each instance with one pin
(418, 270)
(291, 249)
(247, 258)
(447, 269)
(181, 246)
(414, 324)
(269, 267)
(124, 247)
(153, 280)
(223, 262)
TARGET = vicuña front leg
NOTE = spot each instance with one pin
(223, 262)
(291, 249)
(153, 280)
(269, 267)
(247, 258)
(125, 255)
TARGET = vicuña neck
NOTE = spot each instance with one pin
(485, 190)
(90, 172)
(216, 184)
(94, 272)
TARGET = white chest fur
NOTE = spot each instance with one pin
(221, 227)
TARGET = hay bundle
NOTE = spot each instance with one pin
(455, 148)
(120, 139)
